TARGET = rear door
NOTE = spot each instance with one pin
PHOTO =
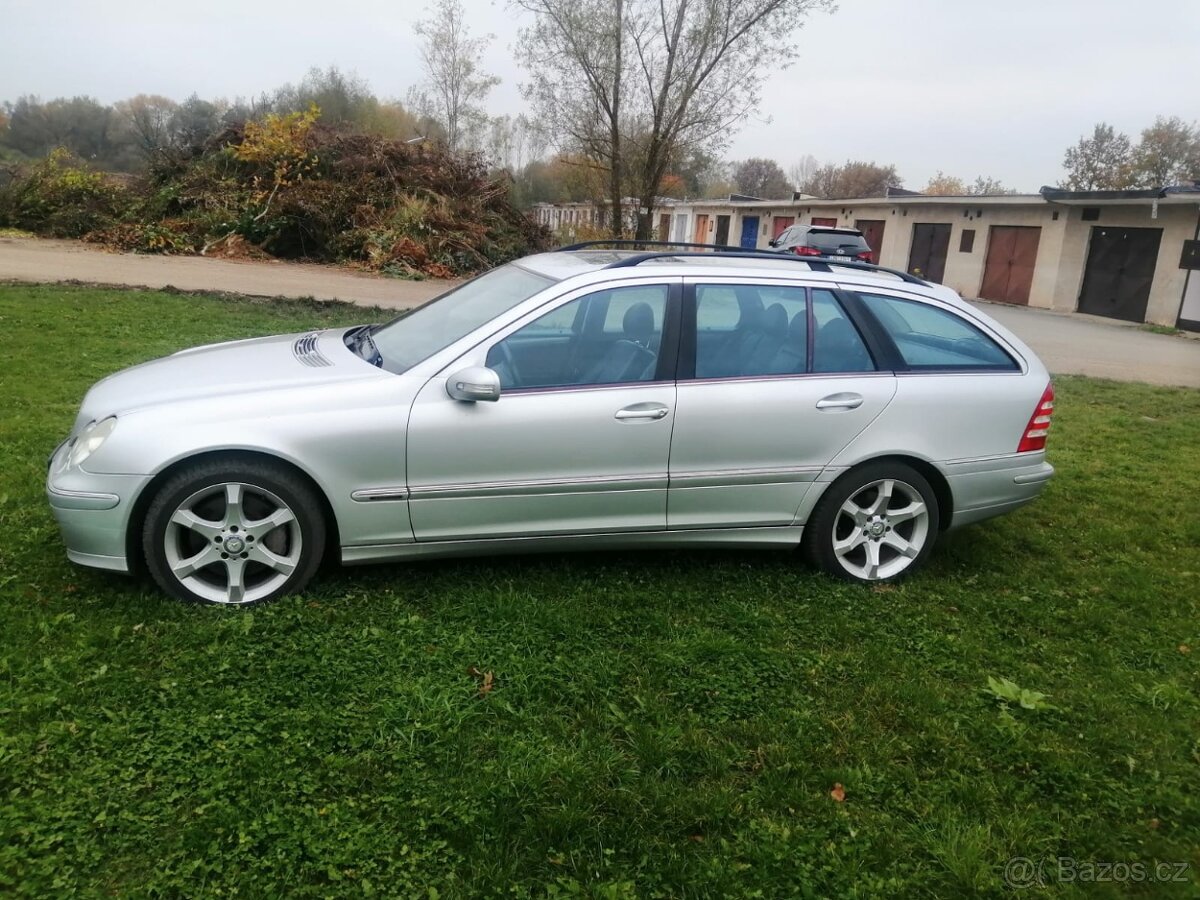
(775, 379)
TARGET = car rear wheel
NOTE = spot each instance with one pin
(234, 533)
(876, 523)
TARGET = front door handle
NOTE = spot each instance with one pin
(840, 401)
(641, 411)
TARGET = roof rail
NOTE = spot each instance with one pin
(815, 263)
(621, 242)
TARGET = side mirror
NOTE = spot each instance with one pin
(474, 383)
(772, 243)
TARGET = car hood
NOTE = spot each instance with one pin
(225, 370)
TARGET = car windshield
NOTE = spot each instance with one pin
(837, 242)
(404, 342)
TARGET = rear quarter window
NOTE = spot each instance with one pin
(933, 339)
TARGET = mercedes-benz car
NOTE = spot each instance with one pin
(582, 399)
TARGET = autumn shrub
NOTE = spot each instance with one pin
(292, 188)
(61, 196)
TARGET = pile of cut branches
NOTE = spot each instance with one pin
(289, 187)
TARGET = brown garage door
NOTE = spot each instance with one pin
(1011, 257)
(1120, 268)
(872, 230)
(928, 254)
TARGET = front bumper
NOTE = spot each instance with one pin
(92, 512)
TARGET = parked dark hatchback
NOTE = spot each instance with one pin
(842, 244)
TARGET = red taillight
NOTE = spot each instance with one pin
(1034, 437)
(807, 251)
(864, 257)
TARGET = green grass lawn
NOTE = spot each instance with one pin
(660, 724)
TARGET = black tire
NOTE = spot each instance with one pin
(234, 504)
(831, 530)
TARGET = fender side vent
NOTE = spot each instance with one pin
(305, 350)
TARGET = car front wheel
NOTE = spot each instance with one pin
(877, 523)
(233, 532)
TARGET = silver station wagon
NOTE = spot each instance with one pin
(580, 399)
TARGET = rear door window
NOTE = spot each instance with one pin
(837, 345)
(751, 330)
(932, 339)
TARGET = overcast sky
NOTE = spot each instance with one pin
(966, 86)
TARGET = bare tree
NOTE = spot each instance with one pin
(455, 86)
(148, 119)
(803, 169)
(638, 84)
(1102, 162)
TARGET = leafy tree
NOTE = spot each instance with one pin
(455, 85)
(80, 124)
(1102, 162)
(344, 100)
(853, 179)
(1168, 153)
(762, 178)
(635, 85)
(988, 185)
(943, 185)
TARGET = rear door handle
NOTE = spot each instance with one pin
(648, 411)
(840, 401)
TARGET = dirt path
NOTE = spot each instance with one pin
(32, 259)
(1068, 343)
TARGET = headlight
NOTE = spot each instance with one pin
(90, 440)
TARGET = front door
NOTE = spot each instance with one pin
(722, 230)
(824, 222)
(1011, 258)
(872, 230)
(1120, 270)
(927, 258)
(578, 441)
(749, 232)
(764, 408)
(780, 224)
(700, 235)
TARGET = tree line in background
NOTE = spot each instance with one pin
(1167, 153)
(628, 99)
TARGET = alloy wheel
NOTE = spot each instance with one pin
(232, 543)
(880, 529)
